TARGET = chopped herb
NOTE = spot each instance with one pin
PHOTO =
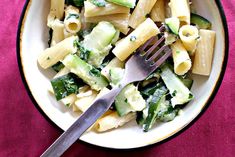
(68, 105)
(177, 52)
(82, 52)
(95, 72)
(65, 85)
(190, 96)
(174, 93)
(48, 58)
(76, 16)
(197, 38)
(133, 38)
(126, 101)
(98, 3)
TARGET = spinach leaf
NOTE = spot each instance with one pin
(154, 102)
(98, 3)
(83, 53)
(65, 85)
(95, 72)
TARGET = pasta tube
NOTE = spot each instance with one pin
(138, 37)
(72, 20)
(182, 61)
(56, 11)
(120, 21)
(58, 32)
(112, 121)
(158, 11)
(204, 53)
(181, 10)
(189, 36)
(92, 10)
(84, 102)
(54, 54)
(141, 11)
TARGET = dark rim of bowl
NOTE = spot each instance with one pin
(213, 94)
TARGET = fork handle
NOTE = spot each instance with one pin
(85, 121)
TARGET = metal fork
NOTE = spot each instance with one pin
(138, 67)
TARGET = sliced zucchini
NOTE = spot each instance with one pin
(85, 71)
(116, 74)
(154, 104)
(173, 24)
(200, 21)
(129, 100)
(66, 85)
(179, 92)
(126, 3)
(98, 43)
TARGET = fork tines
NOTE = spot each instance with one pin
(153, 54)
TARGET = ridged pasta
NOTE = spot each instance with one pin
(133, 41)
(181, 10)
(54, 54)
(158, 11)
(204, 53)
(182, 61)
(120, 21)
(58, 32)
(112, 121)
(56, 11)
(189, 36)
(141, 12)
(92, 10)
(72, 19)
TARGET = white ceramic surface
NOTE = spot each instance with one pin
(34, 35)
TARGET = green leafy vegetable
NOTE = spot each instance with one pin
(98, 3)
(95, 72)
(154, 103)
(65, 85)
(83, 53)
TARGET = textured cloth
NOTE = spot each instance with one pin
(25, 132)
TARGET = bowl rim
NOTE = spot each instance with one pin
(168, 138)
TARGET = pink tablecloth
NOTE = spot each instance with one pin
(25, 132)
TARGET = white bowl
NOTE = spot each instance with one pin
(32, 39)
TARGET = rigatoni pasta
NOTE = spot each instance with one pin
(58, 32)
(72, 20)
(56, 53)
(182, 61)
(112, 121)
(181, 10)
(56, 11)
(141, 12)
(189, 36)
(134, 40)
(157, 13)
(204, 53)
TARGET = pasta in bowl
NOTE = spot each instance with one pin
(88, 47)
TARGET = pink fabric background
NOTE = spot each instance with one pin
(25, 132)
